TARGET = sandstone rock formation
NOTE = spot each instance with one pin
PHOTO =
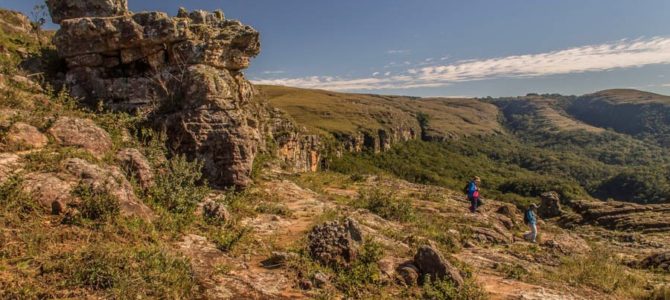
(81, 133)
(9, 164)
(430, 261)
(184, 69)
(22, 135)
(50, 190)
(71, 9)
(109, 180)
(660, 261)
(620, 215)
(550, 206)
(136, 165)
(332, 243)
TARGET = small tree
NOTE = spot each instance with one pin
(38, 17)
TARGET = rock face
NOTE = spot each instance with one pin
(82, 133)
(431, 262)
(109, 180)
(22, 135)
(550, 206)
(184, 69)
(620, 215)
(332, 243)
(70, 9)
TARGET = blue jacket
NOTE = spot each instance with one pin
(472, 188)
(530, 216)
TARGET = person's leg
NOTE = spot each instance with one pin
(533, 232)
(475, 204)
(472, 204)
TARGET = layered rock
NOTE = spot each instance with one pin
(184, 69)
(620, 215)
(550, 206)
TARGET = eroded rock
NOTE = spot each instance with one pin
(50, 190)
(216, 211)
(660, 261)
(70, 9)
(136, 165)
(81, 133)
(550, 206)
(331, 244)
(109, 180)
(430, 261)
(25, 136)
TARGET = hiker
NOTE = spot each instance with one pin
(472, 190)
(530, 219)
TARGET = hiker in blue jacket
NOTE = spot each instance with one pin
(472, 190)
(530, 219)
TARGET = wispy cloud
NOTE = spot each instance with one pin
(590, 58)
(273, 72)
(398, 51)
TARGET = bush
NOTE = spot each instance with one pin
(125, 272)
(386, 205)
(363, 275)
(178, 188)
(446, 290)
(96, 205)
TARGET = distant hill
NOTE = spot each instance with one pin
(345, 113)
(642, 114)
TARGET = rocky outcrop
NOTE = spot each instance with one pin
(334, 243)
(51, 190)
(71, 9)
(550, 206)
(81, 133)
(136, 165)
(379, 141)
(430, 262)
(619, 215)
(109, 180)
(184, 69)
(298, 150)
(25, 136)
(660, 261)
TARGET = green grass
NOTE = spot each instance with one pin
(386, 204)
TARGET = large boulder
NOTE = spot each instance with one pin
(550, 206)
(136, 165)
(25, 136)
(109, 180)
(430, 262)
(70, 9)
(81, 133)
(51, 190)
(332, 244)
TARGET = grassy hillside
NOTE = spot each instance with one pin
(539, 144)
(331, 112)
(641, 114)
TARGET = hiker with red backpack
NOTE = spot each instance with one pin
(472, 190)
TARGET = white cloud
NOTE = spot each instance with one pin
(397, 51)
(387, 74)
(273, 72)
(666, 85)
(590, 58)
(375, 73)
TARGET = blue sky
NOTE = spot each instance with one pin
(451, 48)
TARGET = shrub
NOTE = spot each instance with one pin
(446, 290)
(125, 272)
(178, 188)
(363, 275)
(386, 205)
(96, 205)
